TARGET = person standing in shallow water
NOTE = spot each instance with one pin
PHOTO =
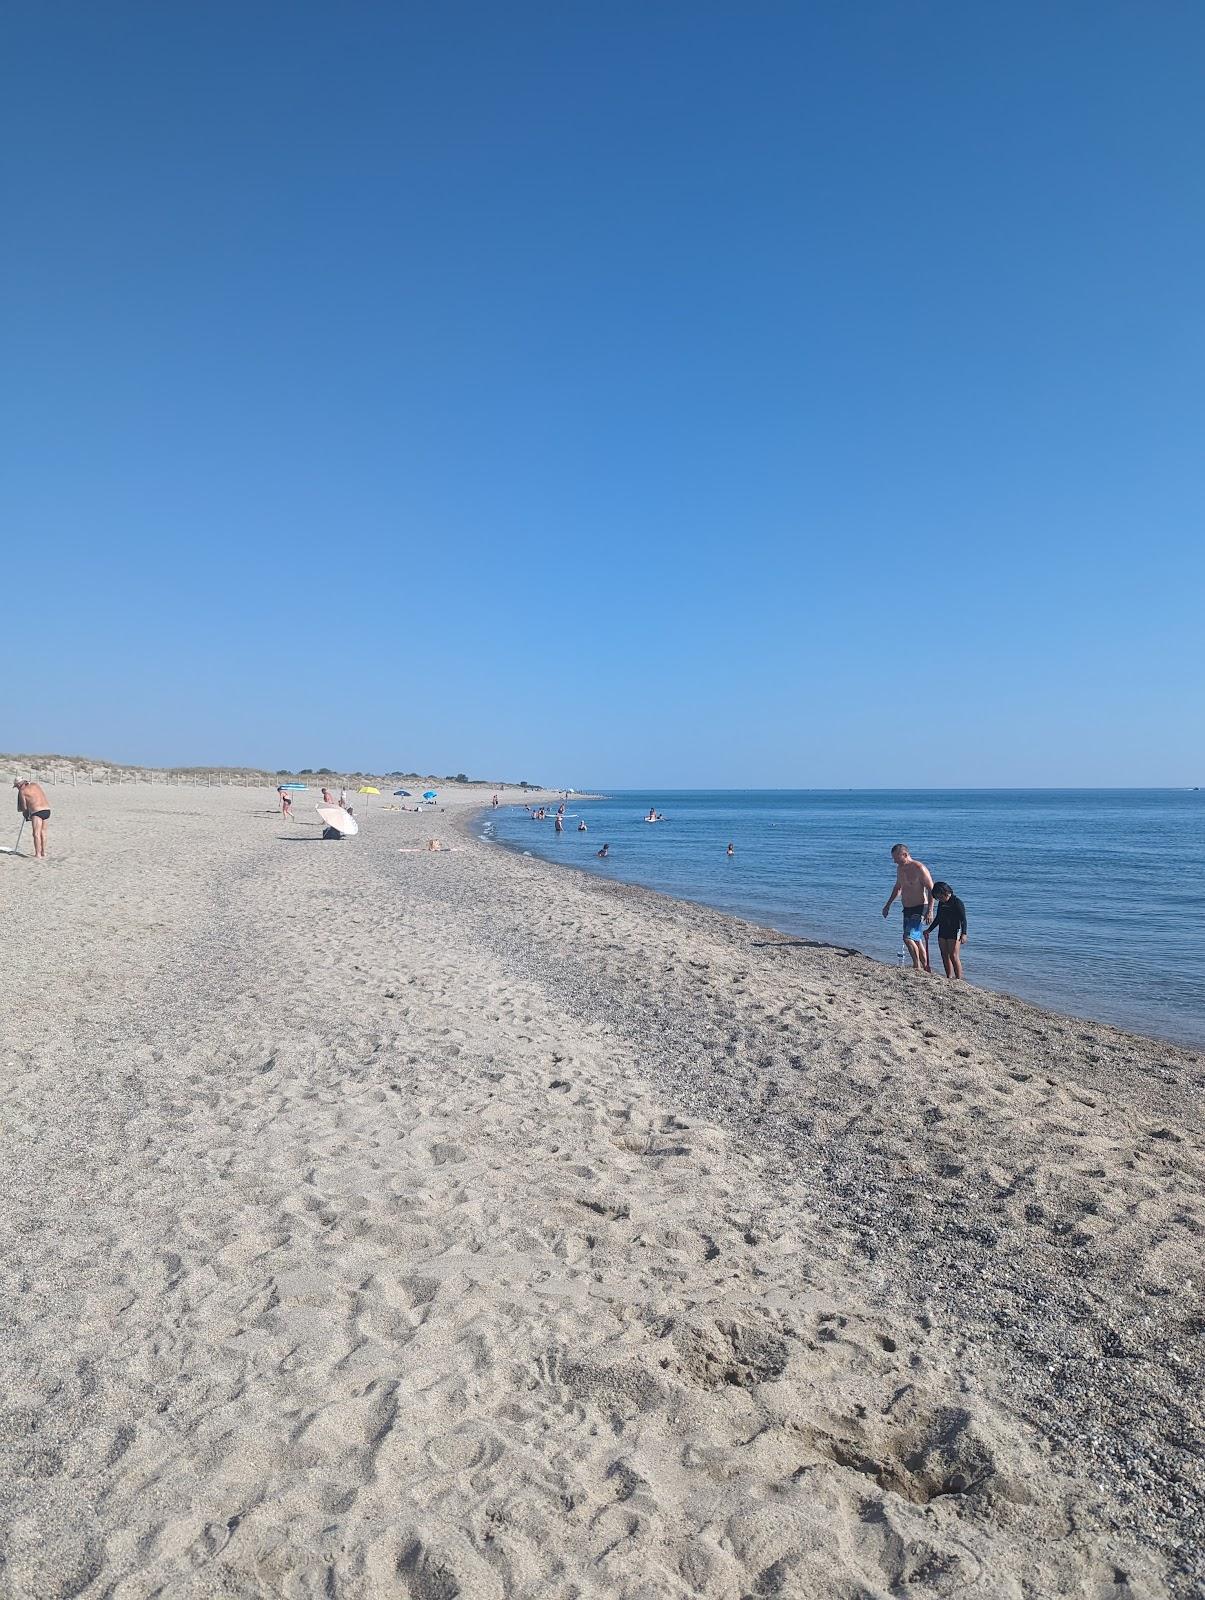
(950, 920)
(914, 887)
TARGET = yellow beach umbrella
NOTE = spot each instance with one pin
(367, 788)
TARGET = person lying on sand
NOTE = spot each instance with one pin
(35, 808)
(950, 920)
(914, 886)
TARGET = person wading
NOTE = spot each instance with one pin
(914, 886)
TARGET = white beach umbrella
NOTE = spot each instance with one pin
(335, 817)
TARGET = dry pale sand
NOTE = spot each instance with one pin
(386, 1224)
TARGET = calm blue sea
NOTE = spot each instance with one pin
(1088, 901)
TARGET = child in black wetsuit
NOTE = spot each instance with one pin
(950, 921)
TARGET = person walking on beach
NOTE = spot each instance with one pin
(35, 808)
(286, 801)
(950, 920)
(914, 886)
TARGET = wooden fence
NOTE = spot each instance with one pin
(73, 778)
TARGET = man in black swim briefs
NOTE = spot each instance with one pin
(35, 808)
(914, 886)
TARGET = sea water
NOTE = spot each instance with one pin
(1087, 901)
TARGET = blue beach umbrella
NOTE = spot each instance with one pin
(430, 794)
(405, 793)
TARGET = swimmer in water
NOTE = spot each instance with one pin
(603, 853)
(581, 827)
(731, 851)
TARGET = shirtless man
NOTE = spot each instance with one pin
(914, 885)
(35, 808)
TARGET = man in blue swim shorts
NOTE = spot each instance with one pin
(914, 886)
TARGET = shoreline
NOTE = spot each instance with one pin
(414, 1223)
(783, 934)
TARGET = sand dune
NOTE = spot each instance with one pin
(436, 1225)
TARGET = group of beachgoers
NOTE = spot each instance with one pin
(540, 814)
(285, 797)
(927, 905)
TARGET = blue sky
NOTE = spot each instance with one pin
(688, 394)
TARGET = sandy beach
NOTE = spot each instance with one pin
(387, 1223)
